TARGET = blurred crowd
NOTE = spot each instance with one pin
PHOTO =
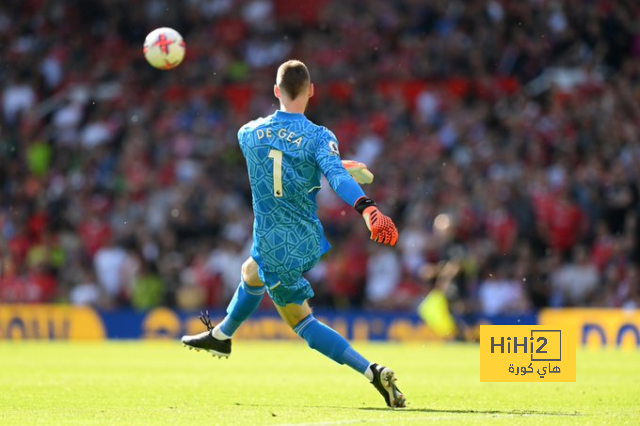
(504, 136)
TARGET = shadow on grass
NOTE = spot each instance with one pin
(511, 412)
(429, 410)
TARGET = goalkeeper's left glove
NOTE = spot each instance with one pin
(382, 228)
(358, 171)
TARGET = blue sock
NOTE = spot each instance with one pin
(328, 342)
(245, 301)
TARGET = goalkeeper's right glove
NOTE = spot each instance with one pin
(382, 228)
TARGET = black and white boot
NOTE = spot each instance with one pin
(384, 380)
(206, 342)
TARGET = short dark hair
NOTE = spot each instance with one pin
(293, 76)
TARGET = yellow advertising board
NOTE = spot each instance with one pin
(598, 328)
(527, 353)
(50, 322)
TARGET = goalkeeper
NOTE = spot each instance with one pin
(286, 154)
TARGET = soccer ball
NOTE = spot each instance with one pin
(164, 48)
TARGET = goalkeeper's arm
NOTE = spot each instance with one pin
(382, 228)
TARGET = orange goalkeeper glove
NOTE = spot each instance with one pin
(382, 228)
(358, 171)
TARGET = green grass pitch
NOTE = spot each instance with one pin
(285, 383)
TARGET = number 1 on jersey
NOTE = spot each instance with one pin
(277, 172)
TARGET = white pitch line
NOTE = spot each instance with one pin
(410, 419)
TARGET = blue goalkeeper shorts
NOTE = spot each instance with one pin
(288, 286)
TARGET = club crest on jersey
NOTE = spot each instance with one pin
(333, 146)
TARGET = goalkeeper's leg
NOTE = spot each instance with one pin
(217, 340)
(330, 343)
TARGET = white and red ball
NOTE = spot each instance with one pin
(164, 48)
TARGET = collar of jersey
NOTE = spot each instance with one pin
(289, 115)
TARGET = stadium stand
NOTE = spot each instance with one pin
(504, 137)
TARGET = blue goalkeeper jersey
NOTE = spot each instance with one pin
(286, 154)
